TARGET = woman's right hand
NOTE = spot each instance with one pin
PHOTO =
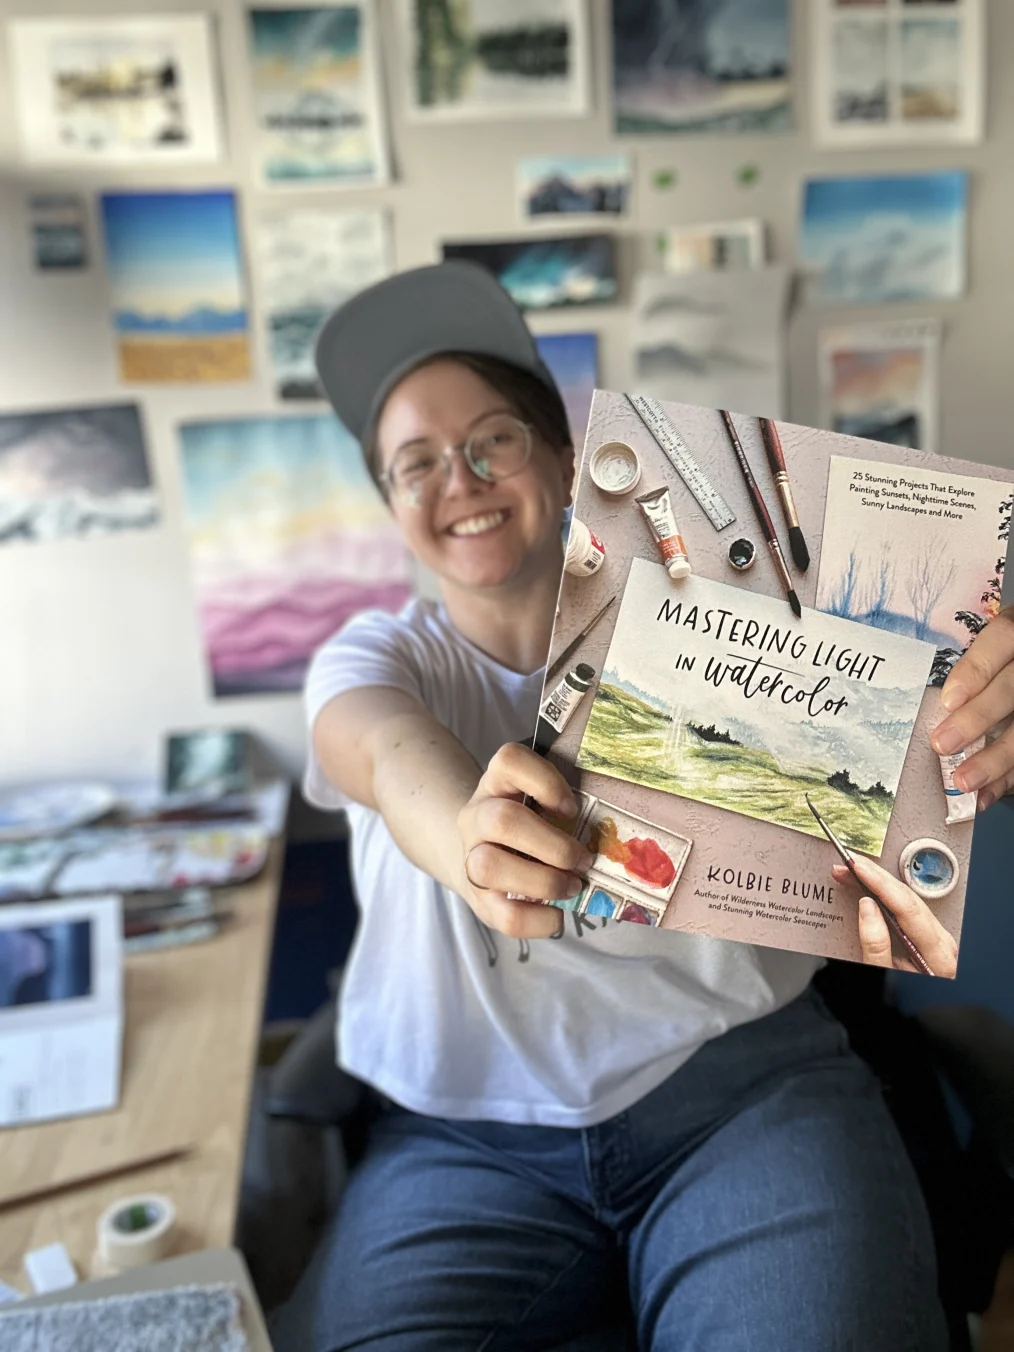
(495, 823)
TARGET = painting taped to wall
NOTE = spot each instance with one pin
(573, 359)
(288, 539)
(574, 185)
(312, 261)
(541, 272)
(701, 65)
(59, 240)
(73, 472)
(176, 274)
(317, 97)
(116, 90)
(881, 381)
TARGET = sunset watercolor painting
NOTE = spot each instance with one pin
(288, 539)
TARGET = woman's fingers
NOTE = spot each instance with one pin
(874, 936)
(501, 821)
(516, 770)
(979, 692)
(911, 912)
(493, 869)
(991, 768)
(518, 919)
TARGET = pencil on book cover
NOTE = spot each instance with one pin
(762, 514)
(776, 459)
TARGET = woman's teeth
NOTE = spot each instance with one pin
(476, 525)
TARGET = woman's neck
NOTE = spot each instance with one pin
(512, 624)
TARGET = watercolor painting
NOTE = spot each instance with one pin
(310, 262)
(886, 238)
(574, 185)
(744, 707)
(931, 69)
(859, 57)
(74, 472)
(914, 552)
(116, 90)
(59, 238)
(288, 539)
(573, 359)
(881, 381)
(718, 244)
(473, 59)
(316, 93)
(176, 274)
(701, 65)
(209, 763)
(542, 272)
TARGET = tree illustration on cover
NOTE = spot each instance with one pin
(722, 696)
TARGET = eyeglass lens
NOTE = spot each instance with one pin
(497, 448)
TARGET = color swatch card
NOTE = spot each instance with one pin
(706, 698)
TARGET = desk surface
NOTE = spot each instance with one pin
(191, 1031)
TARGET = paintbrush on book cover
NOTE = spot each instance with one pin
(733, 723)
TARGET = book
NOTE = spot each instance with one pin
(705, 713)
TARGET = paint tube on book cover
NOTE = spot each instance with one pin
(558, 707)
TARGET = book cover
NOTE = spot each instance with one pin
(698, 717)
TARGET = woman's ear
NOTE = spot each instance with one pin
(568, 468)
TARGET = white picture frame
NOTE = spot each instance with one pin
(868, 61)
(156, 124)
(686, 248)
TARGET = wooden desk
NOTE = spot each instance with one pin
(191, 1031)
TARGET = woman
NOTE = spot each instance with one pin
(622, 1114)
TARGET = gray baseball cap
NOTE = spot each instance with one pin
(368, 344)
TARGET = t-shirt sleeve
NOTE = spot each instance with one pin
(374, 648)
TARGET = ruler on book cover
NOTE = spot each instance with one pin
(655, 419)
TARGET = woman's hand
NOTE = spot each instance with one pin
(912, 914)
(494, 823)
(978, 694)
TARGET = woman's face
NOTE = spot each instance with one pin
(468, 531)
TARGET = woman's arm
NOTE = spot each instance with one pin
(383, 748)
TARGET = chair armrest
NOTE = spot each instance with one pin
(974, 1047)
(307, 1084)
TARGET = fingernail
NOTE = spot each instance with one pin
(867, 908)
(986, 799)
(945, 740)
(567, 808)
(953, 697)
(970, 777)
(576, 888)
(587, 860)
(839, 871)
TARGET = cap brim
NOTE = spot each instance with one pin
(379, 335)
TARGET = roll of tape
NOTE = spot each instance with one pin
(136, 1231)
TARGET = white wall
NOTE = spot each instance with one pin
(99, 651)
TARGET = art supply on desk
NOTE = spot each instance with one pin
(136, 1231)
(763, 515)
(558, 664)
(585, 551)
(930, 868)
(49, 1269)
(669, 441)
(742, 554)
(776, 459)
(848, 859)
(658, 511)
(30, 1197)
(614, 468)
(960, 806)
(558, 707)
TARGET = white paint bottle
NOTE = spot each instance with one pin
(585, 552)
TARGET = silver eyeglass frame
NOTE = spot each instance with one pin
(464, 448)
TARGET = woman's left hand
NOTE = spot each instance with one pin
(978, 694)
(912, 914)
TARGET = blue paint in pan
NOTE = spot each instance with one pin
(929, 868)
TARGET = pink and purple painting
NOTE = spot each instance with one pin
(289, 538)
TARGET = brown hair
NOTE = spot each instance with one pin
(532, 400)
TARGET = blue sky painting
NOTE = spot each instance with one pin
(573, 358)
(885, 238)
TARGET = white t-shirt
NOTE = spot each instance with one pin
(451, 1019)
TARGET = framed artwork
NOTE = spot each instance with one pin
(130, 91)
(719, 244)
(882, 381)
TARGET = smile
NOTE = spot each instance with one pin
(478, 525)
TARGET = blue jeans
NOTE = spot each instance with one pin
(760, 1200)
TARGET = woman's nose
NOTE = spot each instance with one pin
(460, 477)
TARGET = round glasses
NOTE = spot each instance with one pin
(498, 447)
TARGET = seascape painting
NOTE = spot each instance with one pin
(542, 272)
(316, 92)
(885, 238)
(176, 274)
(574, 185)
(748, 709)
(58, 231)
(68, 472)
(312, 261)
(288, 539)
(475, 59)
(116, 90)
(573, 359)
(880, 381)
(701, 65)
(914, 552)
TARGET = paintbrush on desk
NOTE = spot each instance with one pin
(776, 459)
(848, 860)
(576, 642)
(762, 514)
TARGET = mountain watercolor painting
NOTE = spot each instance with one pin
(288, 539)
(176, 274)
